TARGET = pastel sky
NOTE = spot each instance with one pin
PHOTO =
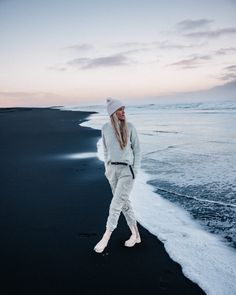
(58, 52)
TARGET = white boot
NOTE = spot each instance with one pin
(137, 234)
(135, 237)
(101, 245)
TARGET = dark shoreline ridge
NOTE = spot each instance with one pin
(53, 211)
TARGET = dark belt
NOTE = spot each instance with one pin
(121, 163)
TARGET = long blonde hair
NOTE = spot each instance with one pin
(121, 130)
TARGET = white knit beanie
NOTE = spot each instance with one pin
(113, 105)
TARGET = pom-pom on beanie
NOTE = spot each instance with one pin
(113, 105)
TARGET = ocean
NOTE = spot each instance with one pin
(185, 192)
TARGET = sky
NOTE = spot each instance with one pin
(58, 52)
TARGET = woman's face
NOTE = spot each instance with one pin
(121, 113)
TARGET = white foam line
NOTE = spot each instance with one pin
(204, 258)
(199, 199)
(80, 155)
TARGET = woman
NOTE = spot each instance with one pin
(122, 159)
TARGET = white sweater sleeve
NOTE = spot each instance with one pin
(135, 144)
(105, 153)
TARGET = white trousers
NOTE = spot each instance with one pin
(121, 182)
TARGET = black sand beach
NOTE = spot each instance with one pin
(53, 211)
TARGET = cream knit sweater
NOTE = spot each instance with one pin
(131, 154)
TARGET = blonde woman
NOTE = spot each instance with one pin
(122, 156)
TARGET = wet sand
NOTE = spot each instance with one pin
(53, 211)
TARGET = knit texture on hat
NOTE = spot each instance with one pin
(113, 105)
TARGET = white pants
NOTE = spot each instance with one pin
(121, 182)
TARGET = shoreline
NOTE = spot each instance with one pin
(53, 212)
